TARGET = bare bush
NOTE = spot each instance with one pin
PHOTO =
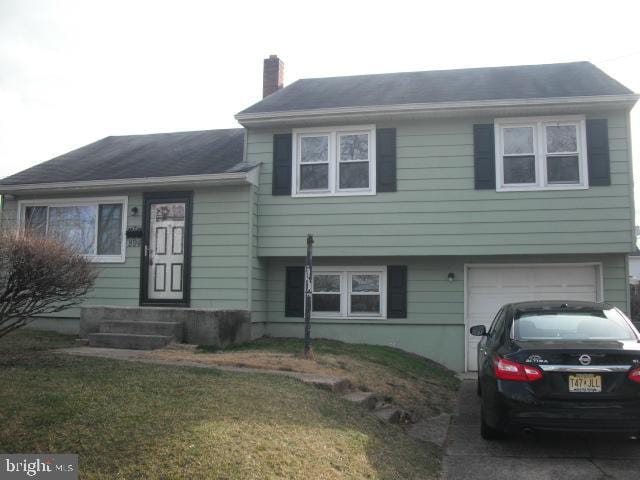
(39, 275)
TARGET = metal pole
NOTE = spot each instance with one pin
(308, 289)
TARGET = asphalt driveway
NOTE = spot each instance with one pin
(547, 456)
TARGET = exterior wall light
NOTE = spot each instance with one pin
(451, 276)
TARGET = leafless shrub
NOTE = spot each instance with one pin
(39, 275)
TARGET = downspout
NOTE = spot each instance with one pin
(249, 233)
(633, 209)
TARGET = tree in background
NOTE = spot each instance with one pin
(38, 276)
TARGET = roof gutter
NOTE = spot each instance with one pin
(235, 178)
(262, 118)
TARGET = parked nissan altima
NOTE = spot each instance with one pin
(551, 365)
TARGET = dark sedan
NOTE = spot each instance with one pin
(558, 365)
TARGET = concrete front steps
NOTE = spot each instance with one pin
(154, 327)
(128, 340)
(135, 334)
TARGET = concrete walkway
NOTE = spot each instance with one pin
(548, 456)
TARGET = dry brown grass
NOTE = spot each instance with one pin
(419, 394)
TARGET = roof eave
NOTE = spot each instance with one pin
(236, 178)
(289, 116)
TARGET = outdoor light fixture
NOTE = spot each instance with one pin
(451, 276)
(134, 211)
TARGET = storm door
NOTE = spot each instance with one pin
(166, 250)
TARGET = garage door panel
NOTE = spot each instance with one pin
(488, 288)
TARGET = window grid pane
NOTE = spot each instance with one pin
(75, 226)
(520, 169)
(563, 169)
(365, 304)
(366, 282)
(314, 149)
(314, 176)
(354, 175)
(326, 283)
(35, 219)
(110, 229)
(325, 302)
(561, 138)
(354, 147)
(518, 140)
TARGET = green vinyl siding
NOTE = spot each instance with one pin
(437, 211)
(220, 252)
(220, 257)
(435, 325)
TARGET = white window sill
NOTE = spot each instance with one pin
(351, 317)
(106, 259)
(531, 188)
(332, 194)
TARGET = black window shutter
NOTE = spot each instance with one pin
(294, 292)
(386, 160)
(397, 291)
(598, 152)
(281, 177)
(484, 157)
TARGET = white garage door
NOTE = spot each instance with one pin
(488, 288)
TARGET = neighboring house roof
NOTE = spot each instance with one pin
(143, 156)
(559, 80)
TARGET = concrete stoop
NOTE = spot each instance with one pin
(147, 328)
(135, 334)
(129, 341)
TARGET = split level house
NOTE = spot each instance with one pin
(433, 198)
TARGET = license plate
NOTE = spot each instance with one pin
(583, 383)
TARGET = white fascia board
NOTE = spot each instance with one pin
(249, 119)
(128, 183)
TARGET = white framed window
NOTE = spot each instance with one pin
(94, 227)
(349, 292)
(334, 161)
(541, 153)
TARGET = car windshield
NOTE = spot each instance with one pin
(576, 325)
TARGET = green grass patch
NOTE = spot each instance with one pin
(132, 421)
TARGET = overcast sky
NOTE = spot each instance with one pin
(72, 72)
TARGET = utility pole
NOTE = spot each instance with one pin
(308, 296)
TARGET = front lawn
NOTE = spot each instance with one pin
(128, 420)
(418, 384)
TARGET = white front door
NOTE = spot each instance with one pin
(488, 288)
(166, 254)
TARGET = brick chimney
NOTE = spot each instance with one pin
(273, 75)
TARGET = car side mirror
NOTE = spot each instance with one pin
(478, 331)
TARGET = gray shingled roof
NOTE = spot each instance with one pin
(141, 156)
(575, 79)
